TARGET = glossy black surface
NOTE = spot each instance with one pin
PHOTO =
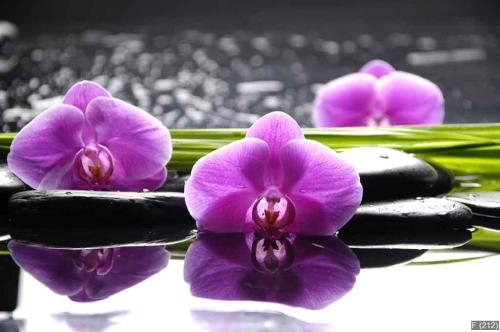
(410, 214)
(94, 218)
(390, 174)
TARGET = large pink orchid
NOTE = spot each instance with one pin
(273, 182)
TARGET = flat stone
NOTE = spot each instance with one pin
(416, 214)
(486, 202)
(388, 174)
(370, 258)
(73, 218)
(484, 205)
(409, 224)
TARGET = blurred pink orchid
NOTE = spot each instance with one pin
(376, 96)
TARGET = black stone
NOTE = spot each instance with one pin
(410, 239)
(409, 224)
(68, 218)
(485, 206)
(369, 258)
(417, 214)
(486, 202)
(444, 183)
(389, 174)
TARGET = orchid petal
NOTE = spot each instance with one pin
(139, 143)
(43, 150)
(324, 270)
(224, 184)
(80, 94)
(131, 266)
(52, 267)
(410, 99)
(122, 183)
(377, 68)
(325, 190)
(346, 101)
(276, 129)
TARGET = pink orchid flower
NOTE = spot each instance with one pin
(92, 141)
(273, 182)
(378, 96)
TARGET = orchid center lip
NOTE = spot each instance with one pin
(95, 165)
(271, 255)
(378, 119)
(99, 261)
(271, 213)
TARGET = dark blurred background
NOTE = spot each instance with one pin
(199, 63)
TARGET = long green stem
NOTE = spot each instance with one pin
(466, 148)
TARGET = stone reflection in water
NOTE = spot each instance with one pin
(89, 274)
(224, 267)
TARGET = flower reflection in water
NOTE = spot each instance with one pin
(89, 274)
(303, 271)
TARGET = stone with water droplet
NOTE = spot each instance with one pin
(85, 219)
(485, 205)
(410, 215)
(389, 174)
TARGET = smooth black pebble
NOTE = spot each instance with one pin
(485, 206)
(410, 214)
(409, 224)
(85, 219)
(389, 174)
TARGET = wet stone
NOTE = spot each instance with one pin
(85, 219)
(388, 174)
(484, 205)
(410, 215)
(444, 182)
(486, 202)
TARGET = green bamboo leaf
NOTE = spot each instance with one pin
(450, 261)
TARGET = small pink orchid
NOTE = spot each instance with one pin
(376, 96)
(273, 182)
(92, 141)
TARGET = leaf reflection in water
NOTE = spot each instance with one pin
(89, 274)
(219, 266)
